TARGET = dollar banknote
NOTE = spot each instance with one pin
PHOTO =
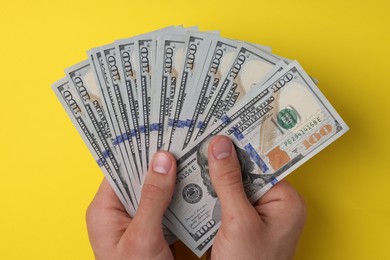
(275, 128)
(127, 64)
(85, 86)
(250, 66)
(217, 62)
(146, 46)
(110, 104)
(197, 48)
(111, 62)
(80, 119)
(169, 63)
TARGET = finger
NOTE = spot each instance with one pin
(283, 211)
(281, 192)
(157, 190)
(105, 218)
(225, 173)
(106, 198)
(280, 202)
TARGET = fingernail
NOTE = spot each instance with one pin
(161, 163)
(222, 148)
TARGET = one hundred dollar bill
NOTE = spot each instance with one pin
(128, 76)
(165, 81)
(133, 63)
(86, 87)
(197, 47)
(216, 65)
(275, 128)
(110, 96)
(111, 62)
(80, 119)
(145, 48)
(250, 66)
(145, 53)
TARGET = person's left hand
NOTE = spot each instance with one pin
(114, 235)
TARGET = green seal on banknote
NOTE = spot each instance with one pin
(287, 118)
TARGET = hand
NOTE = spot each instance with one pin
(268, 230)
(114, 235)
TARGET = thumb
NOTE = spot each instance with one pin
(226, 177)
(157, 190)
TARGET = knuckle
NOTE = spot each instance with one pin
(298, 209)
(288, 193)
(126, 248)
(90, 213)
(229, 177)
(144, 248)
(151, 191)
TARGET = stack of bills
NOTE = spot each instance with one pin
(175, 88)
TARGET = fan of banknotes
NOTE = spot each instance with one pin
(175, 88)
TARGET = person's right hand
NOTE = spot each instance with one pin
(269, 229)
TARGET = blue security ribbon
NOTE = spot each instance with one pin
(180, 123)
(154, 127)
(225, 119)
(106, 153)
(118, 140)
(239, 136)
(274, 181)
(125, 137)
(200, 124)
(256, 158)
(188, 123)
(100, 162)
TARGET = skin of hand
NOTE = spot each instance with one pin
(114, 235)
(269, 229)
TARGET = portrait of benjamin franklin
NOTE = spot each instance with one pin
(251, 181)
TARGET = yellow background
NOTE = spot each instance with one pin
(48, 176)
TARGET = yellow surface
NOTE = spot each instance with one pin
(48, 176)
